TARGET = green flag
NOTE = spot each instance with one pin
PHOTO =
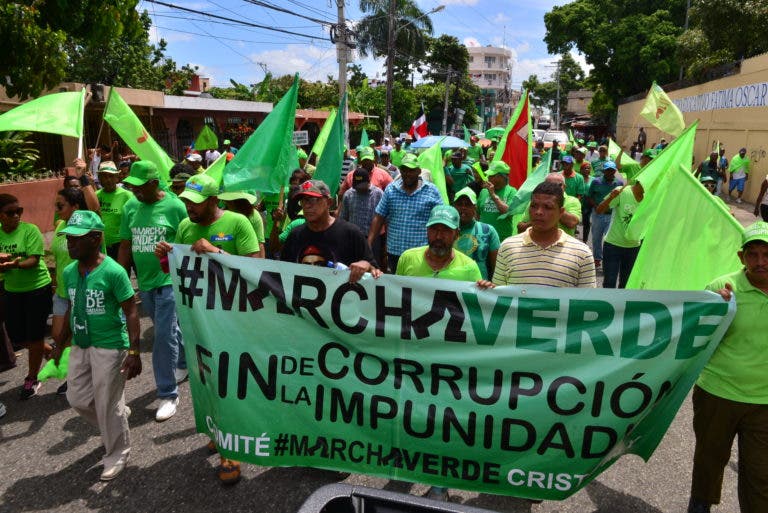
(364, 141)
(216, 170)
(206, 140)
(523, 197)
(264, 162)
(680, 151)
(630, 168)
(661, 112)
(120, 117)
(60, 113)
(692, 241)
(322, 137)
(570, 137)
(432, 160)
(330, 160)
(467, 135)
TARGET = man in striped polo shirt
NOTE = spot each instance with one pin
(544, 254)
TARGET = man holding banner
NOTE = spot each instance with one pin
(150, 217)
(731, 396)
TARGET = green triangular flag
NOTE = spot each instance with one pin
(206, 140)
(630, 168)
(264, 163)
(60, 113)
(216, 170)
(661, 112)
(432, 160)
(128, 126)
(520, 202)
(467, 135)
(364, 141)
(322, 137)
(330, 160)
(690, 221)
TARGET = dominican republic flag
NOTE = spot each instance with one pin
(515, 146)
(419, 126)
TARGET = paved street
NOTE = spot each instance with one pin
(49, 460)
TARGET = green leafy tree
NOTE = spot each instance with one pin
(628, 43)
(18, 155)
(411, 26)
(445, 52)
(544, 94)
(722, 31)
(355, 76)
(238, 91)
(36, 34)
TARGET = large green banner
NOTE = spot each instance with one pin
(522, 391)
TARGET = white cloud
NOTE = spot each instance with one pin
(311, 62)
(582, 60)
(501, 18)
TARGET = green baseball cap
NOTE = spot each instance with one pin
(142, 172)
(650, 154)
(238, 195)
(591, 144)
(444, 214)
(199, 188)
(753, 232)
(83, 222)
(497, 167)
(410, 161)
(467, 193)
(366, 154)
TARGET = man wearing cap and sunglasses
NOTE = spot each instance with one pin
(731, 395)
(105, 345)
(339, 242)
(153, 216)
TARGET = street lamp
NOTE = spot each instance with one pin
(390, 56)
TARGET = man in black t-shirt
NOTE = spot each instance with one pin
(325, 240)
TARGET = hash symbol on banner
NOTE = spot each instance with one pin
(193, 274)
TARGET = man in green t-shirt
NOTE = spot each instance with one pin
(209, 229)
(619, 249)
(112, 199)
(731, 396)
(495, 197)
(105, 348)
(150, 217)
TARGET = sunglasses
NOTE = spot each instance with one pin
(12, 212)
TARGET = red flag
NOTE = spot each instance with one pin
(517, 150)
(419, 126)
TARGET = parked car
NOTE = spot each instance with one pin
(544, 122)
(538, 134)
(555, 135)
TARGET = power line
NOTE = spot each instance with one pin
(220, 37)
(281, 9)
(233, 24)
(248, 24)
(309, 8)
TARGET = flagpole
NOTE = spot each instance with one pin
(101, 127)
(80, 148)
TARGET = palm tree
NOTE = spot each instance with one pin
(411, 24)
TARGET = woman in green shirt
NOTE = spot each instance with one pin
(67, 201)
(27, 285)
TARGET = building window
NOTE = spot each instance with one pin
(490, 61)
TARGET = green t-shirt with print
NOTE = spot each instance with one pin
(489, 213)
(475, 152)
(111, 205)
(61, 256)
(146, 224)
(462, 268)
(95, 310)
(232, 232)
(736, 370)
(476, 240)
(26, 240)
(624, 206)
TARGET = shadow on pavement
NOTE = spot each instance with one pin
(608, 500)
(35, 410)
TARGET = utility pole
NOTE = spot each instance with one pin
(557, 101)
(390, 68)
(445, 105)
(342, 53)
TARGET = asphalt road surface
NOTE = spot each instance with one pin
(49, 461)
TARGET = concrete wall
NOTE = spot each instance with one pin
(37, 198)
(734, 126)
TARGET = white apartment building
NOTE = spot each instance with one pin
(490, 68)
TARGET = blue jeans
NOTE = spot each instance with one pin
(168, 347)
(600, 225)
(618, 263)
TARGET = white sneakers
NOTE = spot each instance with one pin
(180, 375)
(167, 409)
(112, 472)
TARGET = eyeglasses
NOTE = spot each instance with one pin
(12, 212)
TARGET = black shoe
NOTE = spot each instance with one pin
(62, 390)
(697, 506)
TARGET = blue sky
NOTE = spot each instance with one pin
(223, 50)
